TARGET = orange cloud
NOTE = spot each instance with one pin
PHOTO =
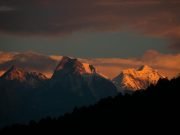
(55, 57)
(5, 56)
(30, 61)
(167, 64)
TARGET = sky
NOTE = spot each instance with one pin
(129, 33)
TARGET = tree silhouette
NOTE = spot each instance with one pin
(145, 109)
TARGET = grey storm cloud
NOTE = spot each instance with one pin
(49, 17)
(175, 45)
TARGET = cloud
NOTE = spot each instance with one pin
(65, 16)
(166, 64)
(55, 57)
(6, 56)
(175, 46)
(30, 61)
(6, 9)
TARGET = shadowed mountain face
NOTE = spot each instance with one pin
(151, 110)
(69, 66)
(28, 95)
(81, 79)
(17, 90)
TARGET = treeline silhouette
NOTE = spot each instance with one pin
(157, 107)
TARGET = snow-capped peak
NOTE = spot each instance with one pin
(18, 74)
(14, 73)
(89, 68)
(70, 65)
(134, 79)
(73, 66)
(145, 68)
(62, 63)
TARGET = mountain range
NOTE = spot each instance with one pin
(156, 108)
(28, 95)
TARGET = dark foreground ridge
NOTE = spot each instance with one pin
(154, 108)
(26, 95)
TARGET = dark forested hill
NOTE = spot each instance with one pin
(26, 95)
(156, 107)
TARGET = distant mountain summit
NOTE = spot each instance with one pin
(135, 79)
(28, 95)
(18, 75)
(72, 66)
(81, 78)
(14, 73)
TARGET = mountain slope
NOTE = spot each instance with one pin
(17, 90)
(18, 76)
(155, 109)
(81, 78)
(28, 95)
(72, 85)
(132, 79)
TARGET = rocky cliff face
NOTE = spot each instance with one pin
(81, 78)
